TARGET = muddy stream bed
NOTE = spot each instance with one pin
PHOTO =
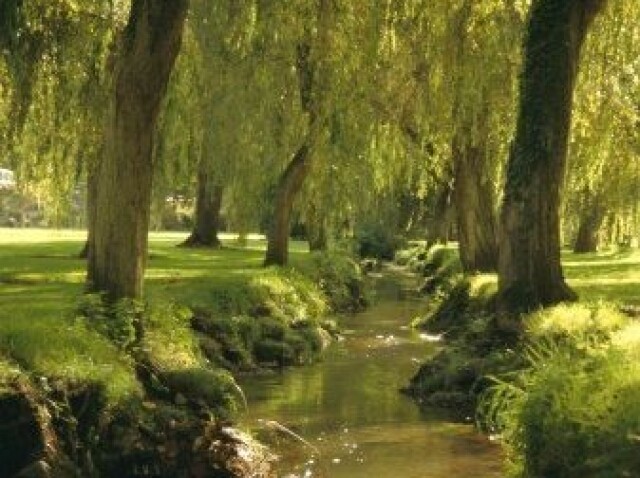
(344, 416)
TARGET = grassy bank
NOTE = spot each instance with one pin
(167, 360)
(42, 281)
(562, 400)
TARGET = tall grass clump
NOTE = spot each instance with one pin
(573, 411)
(69, 351)
(341, 279)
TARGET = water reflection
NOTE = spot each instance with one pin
(344, 417)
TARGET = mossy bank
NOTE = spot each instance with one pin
(560, 398)
(147, 389)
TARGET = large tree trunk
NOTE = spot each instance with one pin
(474, 201)
(288, 187)
(207, 216)
(530, 273)
(591, 220)
(146, 56)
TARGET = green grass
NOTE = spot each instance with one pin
(41, 275)
(571, 409)
(42, 282)
(611, 276)
(608, 276)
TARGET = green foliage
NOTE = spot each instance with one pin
(8, 373)
(340, 278)
(168, 340)
(438, 260)
(451, 292)
(601, 172)
(115, 321)
(280, 293)
(273, 318)
(71, 352)
(572, 410)
(377, 240)
(577, 322)
(215, 388)
(288, 296)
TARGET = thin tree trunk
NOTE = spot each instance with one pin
(288, 187)
(309, 72)
(439, 224)
(591, 220)
(588, 229)
(530, 273)
(92, 191)
(474, 202)
(144, 63)
(207, 215)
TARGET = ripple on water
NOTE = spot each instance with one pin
(349, 409)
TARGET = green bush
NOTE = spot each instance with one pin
(214, 387)
(168, 340)
(341, 279)
(115, 321)
(70, 352)
(378, 241)
(274, 292)
(275, 351)
(574, 410)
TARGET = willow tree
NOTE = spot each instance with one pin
(222, 41)
(55, 58)
(603, 176)
(309, 66)
(483, 61)
(25, 34)
(530, 273)
(228, 141)
(144, 60)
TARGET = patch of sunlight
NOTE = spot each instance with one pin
(628, 338)
(75, 277)
(241, 272)
(603, 281)
(35, 235)
(156, 273)
(483, 283)
(233, 236)
(602, 263)
(576, 318)
(168, 236)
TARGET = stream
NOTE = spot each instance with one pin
(344, 416)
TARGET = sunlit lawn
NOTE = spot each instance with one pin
(41, 274)
(611, 276)
(41, 278)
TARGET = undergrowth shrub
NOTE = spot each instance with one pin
(159, 338)
(460, 306)
(70, 351)
(282, 293)
(173, 351)
(378, 241)
(439, 265)
(573, 410)
(288, 295)
(340, 278)
(117, 322)
(277, 316)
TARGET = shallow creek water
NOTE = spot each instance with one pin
(350, 419)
